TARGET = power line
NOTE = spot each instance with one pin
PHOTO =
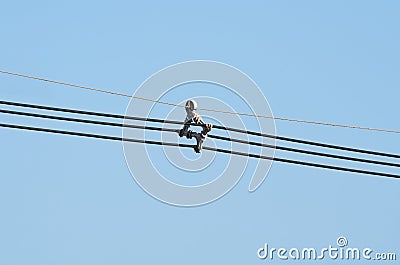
(284, 148)
(113, 124)
(65, 83)
(302, 163)
(282, 138)
(90, 135)
(106, 137)
(36, 115)
(299, 141)
(205, 109)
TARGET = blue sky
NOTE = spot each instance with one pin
(69, 200)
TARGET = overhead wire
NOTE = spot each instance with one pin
(145, 127)
(205, 109)
(283, 160)
(307, 152)
(282, 138)
(90, 135)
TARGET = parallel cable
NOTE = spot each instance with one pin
(205, 109)
(113, 124)
(36, 115)
(296, 150)
(302, 163)
(282, 138)
(106, 137)
(299, 141)
(90, 135)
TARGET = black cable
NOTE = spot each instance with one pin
(51, 117)
(98, 136)
(283, 160)
(210, 135)
(204, 147)
(343, 148)
(284, 148)
(282, 138)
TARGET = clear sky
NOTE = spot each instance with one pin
(70, 200)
